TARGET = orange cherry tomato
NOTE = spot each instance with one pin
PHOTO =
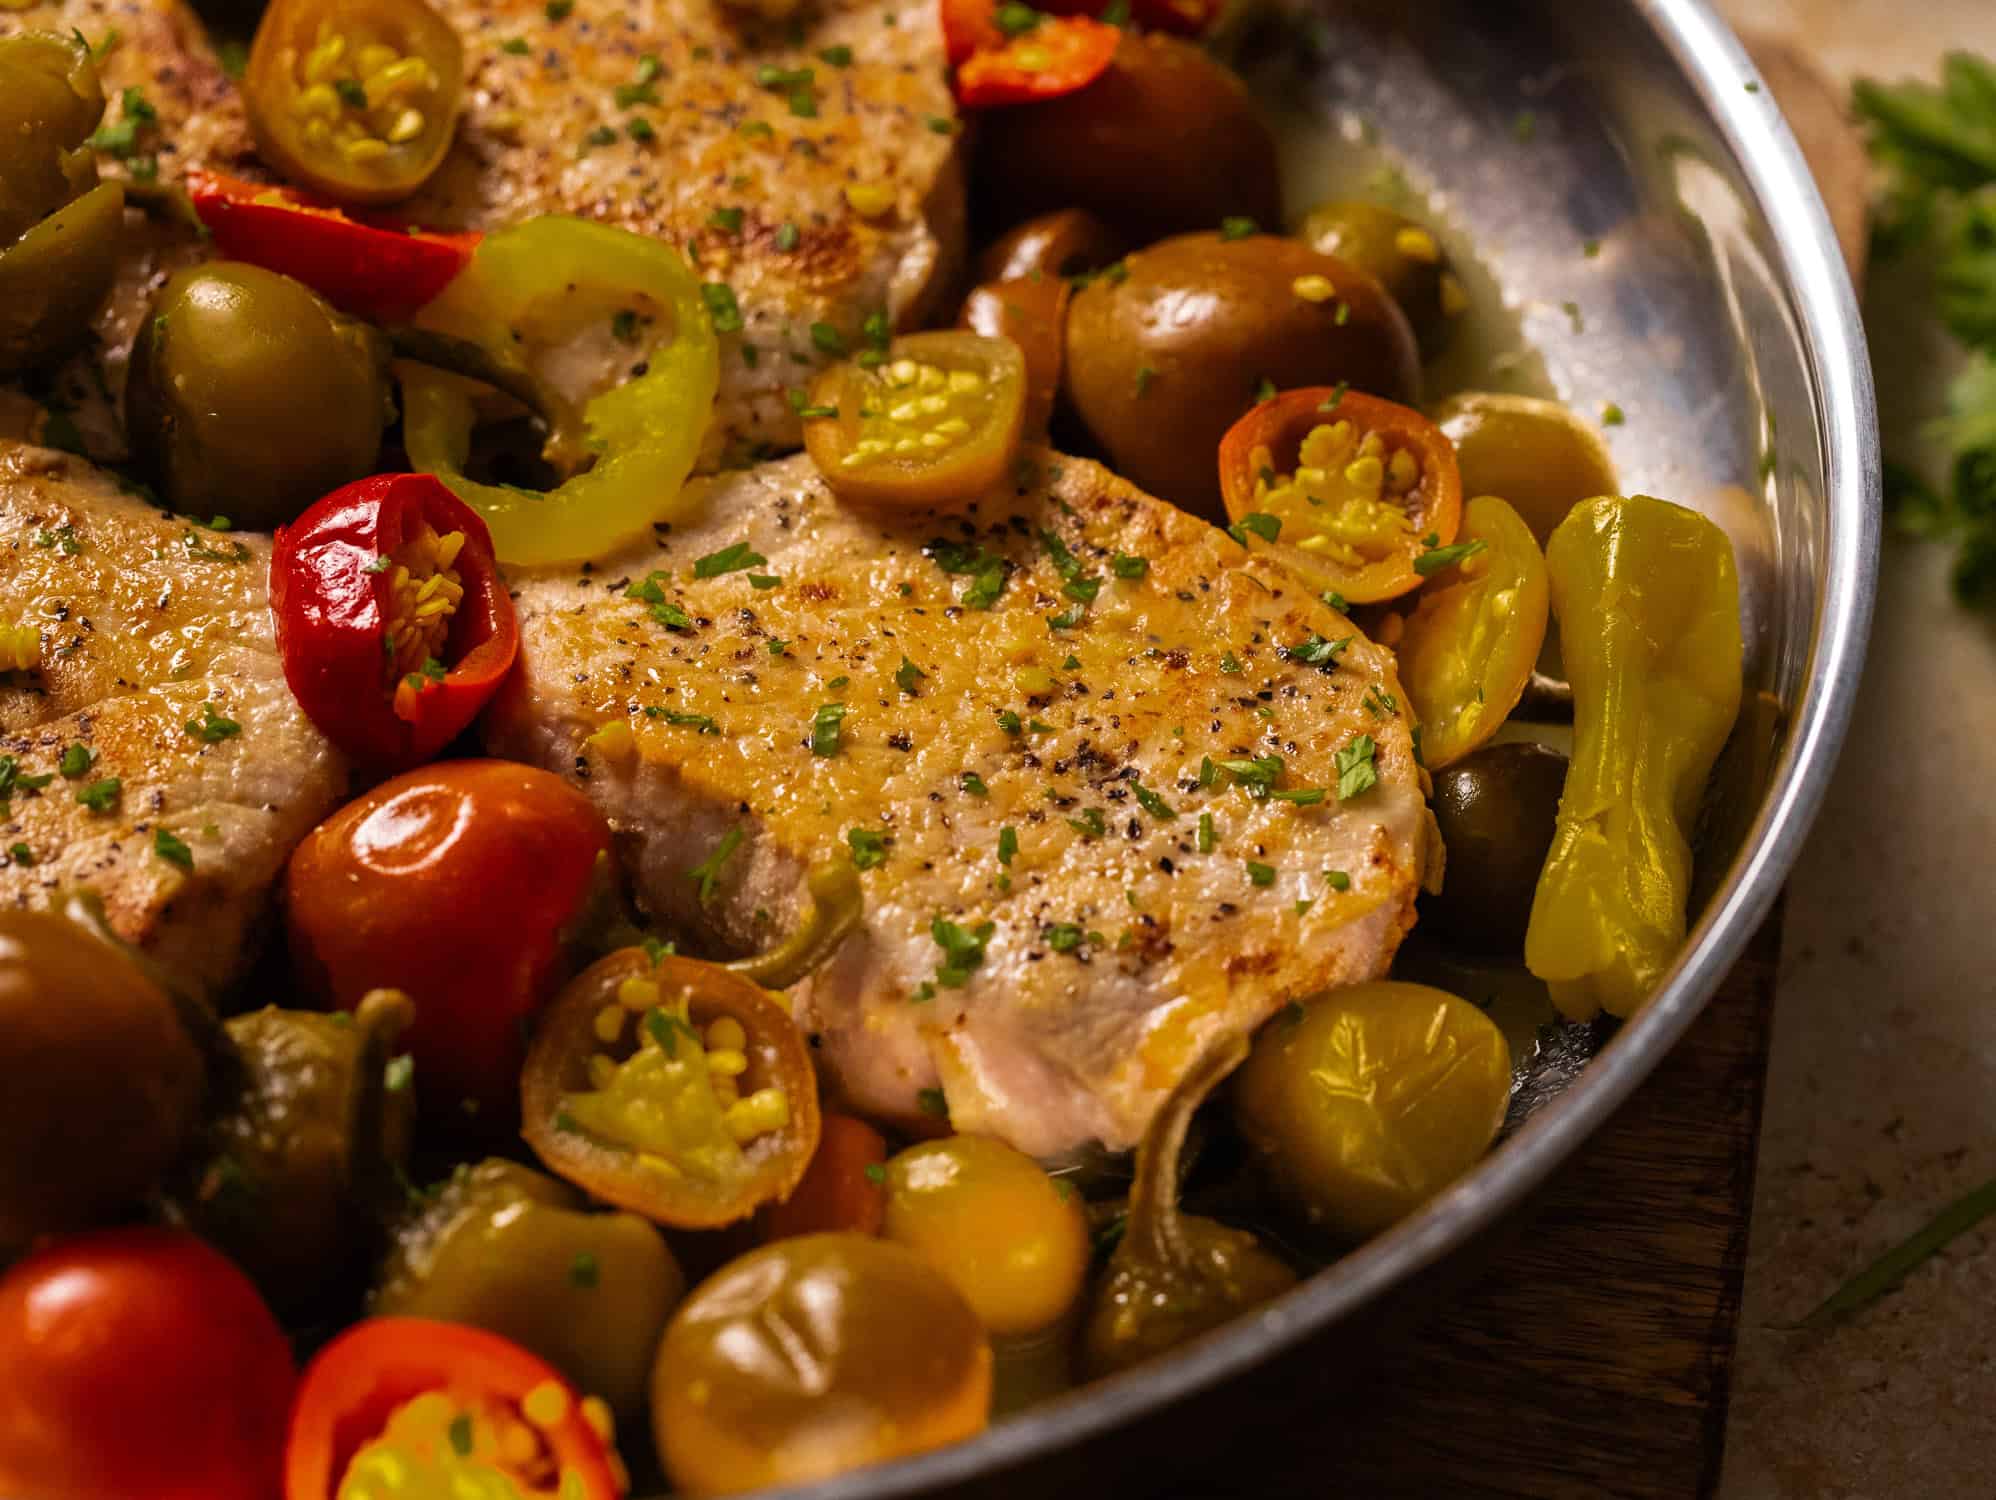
(1469, 647)
(673, 1088)
(139, 1364)
(423, 1404)
(844, 1188)
(457, 883)
(1348, 490)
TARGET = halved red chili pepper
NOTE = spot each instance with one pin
(1055, 56)
(392, 620)
(1349, 490)
(437, 1402)
(370, 267)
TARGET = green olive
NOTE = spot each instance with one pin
(513, 1251)
(50, 101)
(250, 397)
(1012, 1240)
(53, 277)
(1068, 242)
(303, 1152)
(1364, 1103)
(1162, 361)
(1166, 140)
(1401, 255)
(1535, 454)
(1495, 809)
(104, 1080)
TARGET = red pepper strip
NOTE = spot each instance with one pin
(377, 270)
(969, 26)
(385, 674)
(358, 1381)
(1058, 56)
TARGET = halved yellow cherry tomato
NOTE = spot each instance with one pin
(936, 423)
(673, 1088)
(1470, 644)
(355, 99)
(1344, 488)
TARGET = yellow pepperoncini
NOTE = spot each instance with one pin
(570, 295)
(1648, 603)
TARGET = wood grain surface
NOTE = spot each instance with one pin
(1592, 1358)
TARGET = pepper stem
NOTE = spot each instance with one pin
(1155, 1231)
(373, 1170)
(567, 448)
(836, 901)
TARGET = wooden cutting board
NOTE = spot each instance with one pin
(1591, 1360)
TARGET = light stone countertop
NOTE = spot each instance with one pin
(1881, 1104)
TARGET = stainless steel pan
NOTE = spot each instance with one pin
(1718, 316)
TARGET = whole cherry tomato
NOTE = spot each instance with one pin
(457, 883)
(138, 1364)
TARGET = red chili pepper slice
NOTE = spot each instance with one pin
(1181, 17)
(1056, 56)
(489, 1405)
(392, 620)
(372, 268)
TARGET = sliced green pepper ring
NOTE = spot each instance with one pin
(935, 423)
(673, 1088)
(355, 99)
(564, 294)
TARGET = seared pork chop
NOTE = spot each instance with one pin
(784, 678)
(190, 771)
(821, 193)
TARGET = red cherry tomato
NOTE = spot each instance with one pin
(392, 620)
(479, 1386)
(1057, 56)
(374, 269)
(138, 1364)
(457, 883)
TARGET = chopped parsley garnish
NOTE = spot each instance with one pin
(212, 727)
(987, 570)
(235, 552)
(1238, 227)
(1611, 415)
(1068, 618)
(602, 135)
(868, 848)
(972, 783)
(1337, 880)
(1151, 803)
(876, 1173)
(1090, 824)
(837, 57)
(76, 759)
(583, 1271)
(638, 128)
(1207, 838)
(1336, 398)
(770, 76)
(22, 855)
(665, 1029)
(1435, 559)
(763, 580)
(825, 728)
(558, 10)
(787, 236)
(907, 675)
(459, 1432)
(1315, 651)
(727, 220)
(656, 950)
(1039, 726)
(1336, 601)
(1015, 19)
(940, 126)
(800, 403)
(1260, 874)
(827, 339)
(963, 950)
(1301, 796)
(1380, 704)
(513, 46)
(1008, 844)
(101, 796)
(1126, 565)
(663, 610)
(1262, 524)
(1070, 663)
(732, 559)
(1145, 375)
(722, 306)
(1230, 663)
(11, 779)
(1256, 776)
(932, 1102)
(63, 538)
(173, 850)
(1264, 388)
(1356, 771)
(777, 647)
(703, 874)
(1062, 937)
(1009, 721)
(682, 720)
